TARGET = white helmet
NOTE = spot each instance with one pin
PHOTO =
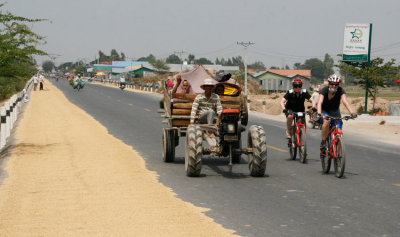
(334, 78)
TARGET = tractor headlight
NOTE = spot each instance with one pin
(231, 128)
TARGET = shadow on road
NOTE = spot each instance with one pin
(222, 168)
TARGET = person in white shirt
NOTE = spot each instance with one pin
(41, 82)
(315, 95)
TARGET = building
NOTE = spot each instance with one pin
(279, 80)
(184, 67)
(137, 70)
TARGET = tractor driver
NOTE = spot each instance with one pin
(207, 106)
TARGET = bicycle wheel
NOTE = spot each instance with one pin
(303, 146)
(339, 162)
(325, 161)
(292, 146)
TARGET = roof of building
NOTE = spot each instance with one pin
(286, 72)
(256, 74)
(184, 67)
(127, 63)
(146, 67)
(254, 70)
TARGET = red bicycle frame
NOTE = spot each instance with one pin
(298, 123)
(333, 133)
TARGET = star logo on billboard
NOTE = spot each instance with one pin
(356, 34)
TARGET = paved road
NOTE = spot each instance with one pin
(293, 199)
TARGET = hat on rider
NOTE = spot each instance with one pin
(297, 82)
(207, 82)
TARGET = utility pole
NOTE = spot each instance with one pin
(245, 45)
(180, 55)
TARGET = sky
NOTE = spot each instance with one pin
(283, 32)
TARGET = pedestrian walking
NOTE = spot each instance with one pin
(41, 82)
(35, 82)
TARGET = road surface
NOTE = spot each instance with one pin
(293, 199)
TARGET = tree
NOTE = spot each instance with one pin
(102, 56)
(297, 66)
(159, 65)
(379, 74)
(114, 55)
(328, 65)
(149, 58)
(203, 61)
(287, 67)
(191, 58)
(17, 47)
(123, 57)
(238, 61)
(222, 62)
(66, 66)
(257, 65)
(174, 59)
(274, 67)
(316, 66)
(48, 66)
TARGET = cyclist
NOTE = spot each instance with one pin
(293, 101)
(328, 104)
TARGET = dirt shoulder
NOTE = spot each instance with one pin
(66, 176)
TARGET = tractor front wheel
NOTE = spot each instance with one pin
(257, 140)
(193, 151)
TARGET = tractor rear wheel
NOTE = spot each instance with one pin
(168, 143)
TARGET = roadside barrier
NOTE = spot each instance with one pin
(9, 112)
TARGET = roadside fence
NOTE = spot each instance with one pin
(9, 112)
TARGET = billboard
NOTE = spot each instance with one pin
(356, 42)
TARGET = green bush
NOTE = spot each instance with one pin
(375, 110)
(360, 110)
(10, 86)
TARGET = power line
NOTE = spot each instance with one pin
(215, 51)
(389, 46)
(394, 54)
(280, 55)
(180, 53)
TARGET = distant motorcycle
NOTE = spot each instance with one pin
(122, 86)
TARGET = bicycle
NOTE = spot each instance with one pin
(298, 140)
(334, 148)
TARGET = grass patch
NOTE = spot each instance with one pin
(386, 93)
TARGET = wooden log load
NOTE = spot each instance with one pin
(182, 106)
